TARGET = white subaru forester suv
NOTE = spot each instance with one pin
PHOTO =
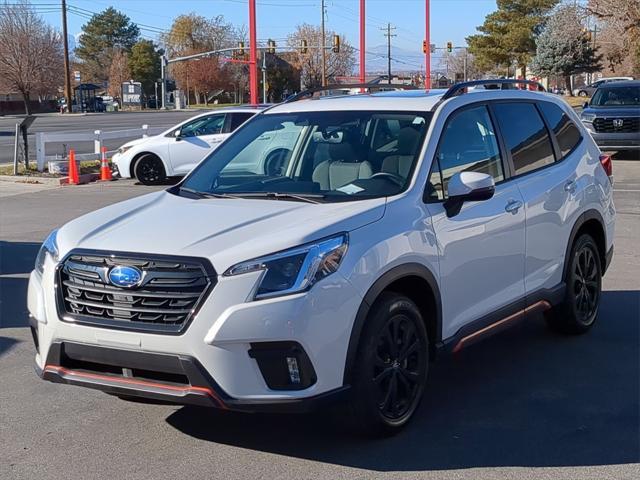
(389, 228)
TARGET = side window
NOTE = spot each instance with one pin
(468, 144)
(525, 135)
(567, 133)
(210, 125)
(238, 118)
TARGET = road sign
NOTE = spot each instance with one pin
(76, 76)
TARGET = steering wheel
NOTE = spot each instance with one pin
(274, 164)
(397, 179)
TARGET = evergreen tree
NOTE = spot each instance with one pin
(564, 47)
(144, 64)
(104, 34)
(508, 35)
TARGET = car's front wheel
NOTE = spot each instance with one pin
(391, 366)
(149, 170)
(582, 93)
(583, 278)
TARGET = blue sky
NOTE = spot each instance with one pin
(451, 20)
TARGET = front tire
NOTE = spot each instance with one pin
(583, 278)
(582, 93)
(149, 170)
(391, 366)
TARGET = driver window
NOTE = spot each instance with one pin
(468, 144)
(210, 125)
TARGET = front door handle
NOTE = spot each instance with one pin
(570, 186)
(513, 206)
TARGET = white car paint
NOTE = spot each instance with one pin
(482, 259)
(178, 154)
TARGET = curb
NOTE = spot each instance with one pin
(56, 181)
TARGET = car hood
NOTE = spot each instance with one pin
(135, 142)
(226, 231)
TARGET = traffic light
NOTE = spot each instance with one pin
(449, 47)
(271, 44)
(424, 46)
(241, 49)
(304, 48)
(336, 44)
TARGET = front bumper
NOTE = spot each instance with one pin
(616, 141)
(121, 165)
(217, 345)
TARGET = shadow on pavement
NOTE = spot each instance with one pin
(16, 262)
(526, 397)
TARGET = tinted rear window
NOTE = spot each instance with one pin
(566, 131)
(526, 136)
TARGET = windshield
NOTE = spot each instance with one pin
(327, 156)
(616, 96)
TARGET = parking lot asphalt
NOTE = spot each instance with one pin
(525, 404)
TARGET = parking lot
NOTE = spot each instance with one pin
(523, 404)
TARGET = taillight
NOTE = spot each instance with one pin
(607, 164)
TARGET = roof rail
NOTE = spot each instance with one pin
(347, 86)
(458, 88)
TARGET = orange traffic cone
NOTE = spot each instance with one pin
(74, 178)
(105, 169)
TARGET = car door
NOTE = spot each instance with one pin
(544, 148)
(481, 249)
(193, 141)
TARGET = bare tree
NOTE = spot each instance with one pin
(30, 52)
(310, 64)
(454, 63)
(118, 72)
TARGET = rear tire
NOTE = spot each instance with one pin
(149, 170)
(579, 309)
(582, 93)
(391, 367)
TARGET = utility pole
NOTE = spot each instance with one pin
(389, 35)
(253, 54)
(65, 42)
(264, 76)
(323, 49)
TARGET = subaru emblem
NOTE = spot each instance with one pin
(125, 276)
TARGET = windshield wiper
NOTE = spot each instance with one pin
(307, 197)
(200, 194)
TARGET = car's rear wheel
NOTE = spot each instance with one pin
(149, 170)
(391, 366)
(582, 93)
(583, 278)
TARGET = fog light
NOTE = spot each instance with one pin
(294, 373)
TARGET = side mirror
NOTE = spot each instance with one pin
(177, 134)
(585, 104)
(467, 187)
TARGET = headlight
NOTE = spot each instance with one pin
(295, 270)
(49, 247)
(124, 148)
(588, 117)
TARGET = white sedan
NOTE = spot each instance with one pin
(177, 150)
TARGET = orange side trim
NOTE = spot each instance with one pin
(132, 381)
(541, 305)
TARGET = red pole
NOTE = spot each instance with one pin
(427, 55)
(253, 54)
(362, 42)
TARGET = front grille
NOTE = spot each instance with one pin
(606, 125)
(169, 294)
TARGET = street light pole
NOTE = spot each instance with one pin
(363, 70)
(253, 54)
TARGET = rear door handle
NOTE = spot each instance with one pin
(513, 206)
(570, 186)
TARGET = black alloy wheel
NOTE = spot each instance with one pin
(398, 367)
(149, 170)
(391, 366)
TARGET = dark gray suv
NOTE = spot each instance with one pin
(613, 116)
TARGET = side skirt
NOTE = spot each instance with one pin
(507, 316)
